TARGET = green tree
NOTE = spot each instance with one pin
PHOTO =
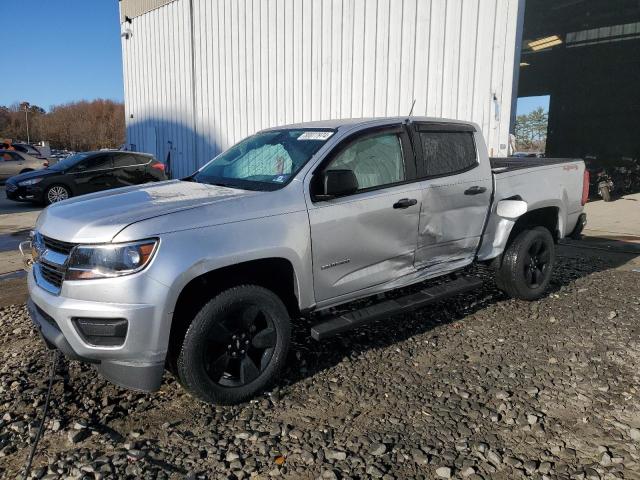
(531, 130)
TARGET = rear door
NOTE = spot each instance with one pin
(93, 174)
(456, 193)
(10, 164)
(367, 238)
(129, 169)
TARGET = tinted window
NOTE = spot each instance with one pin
(69, 162)
(375, 161)
(126, 160)
(99, 162)
(447, 152)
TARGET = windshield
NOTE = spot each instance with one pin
(69, 162)
(264, 161)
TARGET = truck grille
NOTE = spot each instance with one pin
(52, 263)
(58, 245)
(52, 273)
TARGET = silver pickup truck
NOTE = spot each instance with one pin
(204, 275)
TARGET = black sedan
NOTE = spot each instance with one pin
(85, 172)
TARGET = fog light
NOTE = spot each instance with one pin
(102, 332)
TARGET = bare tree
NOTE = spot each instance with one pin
(77, 126)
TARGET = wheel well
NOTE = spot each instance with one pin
(542, 217)
(275, 274)
(61, 184)
(25, 170)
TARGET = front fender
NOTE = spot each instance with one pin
(188, 254)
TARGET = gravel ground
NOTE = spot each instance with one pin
(477, 387)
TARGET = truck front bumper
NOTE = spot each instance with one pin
(117, 338)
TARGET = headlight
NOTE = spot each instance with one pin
(111, 260)
(31, 181)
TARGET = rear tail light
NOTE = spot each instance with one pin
(585, 187)
(45, 164)
(158, 166)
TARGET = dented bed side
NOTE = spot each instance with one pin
(555, 183)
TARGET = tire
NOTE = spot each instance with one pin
(527, 265)
(56, 193)
(605, 193)
(235, 346)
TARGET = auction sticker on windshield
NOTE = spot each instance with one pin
(315, 136)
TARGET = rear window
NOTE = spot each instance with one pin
(445, 153)
(128, 159)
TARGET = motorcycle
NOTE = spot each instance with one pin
(605, 185)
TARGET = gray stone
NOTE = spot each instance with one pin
(467, 472)
(494, 458)
(377, 449)
(336, 455)
(443, 472)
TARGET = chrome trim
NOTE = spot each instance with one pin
(56, 258)
(42, 283)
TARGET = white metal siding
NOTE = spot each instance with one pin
(259, 63)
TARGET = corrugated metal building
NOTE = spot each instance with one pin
(202, 74)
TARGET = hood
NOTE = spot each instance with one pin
(100, 216)
(45, 172)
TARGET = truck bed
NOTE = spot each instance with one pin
(501, 165)
(541, 183)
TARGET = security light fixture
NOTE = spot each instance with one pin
(546, 42)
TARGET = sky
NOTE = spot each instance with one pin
(60, 51)
(528, 104)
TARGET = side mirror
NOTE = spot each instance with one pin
(336, 183)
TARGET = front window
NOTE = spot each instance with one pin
(69, 162)
(264, 161)
(375, 161)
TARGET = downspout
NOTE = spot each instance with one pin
(193, 86)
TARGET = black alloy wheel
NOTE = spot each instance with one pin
(235, 346)
(240, 347)
(536, 263)
(525, 268)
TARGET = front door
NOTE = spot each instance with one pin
(367, 238)
(93, 174)
(456, 193)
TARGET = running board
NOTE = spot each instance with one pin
(357, 318)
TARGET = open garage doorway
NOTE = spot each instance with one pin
(532, 124)
(585, 54)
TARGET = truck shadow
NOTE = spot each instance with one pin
(308, 357)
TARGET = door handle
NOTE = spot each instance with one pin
(475, 190)
(405, 203)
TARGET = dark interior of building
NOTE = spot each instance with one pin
(585, 54)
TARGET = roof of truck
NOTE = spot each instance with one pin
(348, 122)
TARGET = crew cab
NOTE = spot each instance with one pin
(205, 275)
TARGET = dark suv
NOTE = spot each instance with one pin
(85, 172)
